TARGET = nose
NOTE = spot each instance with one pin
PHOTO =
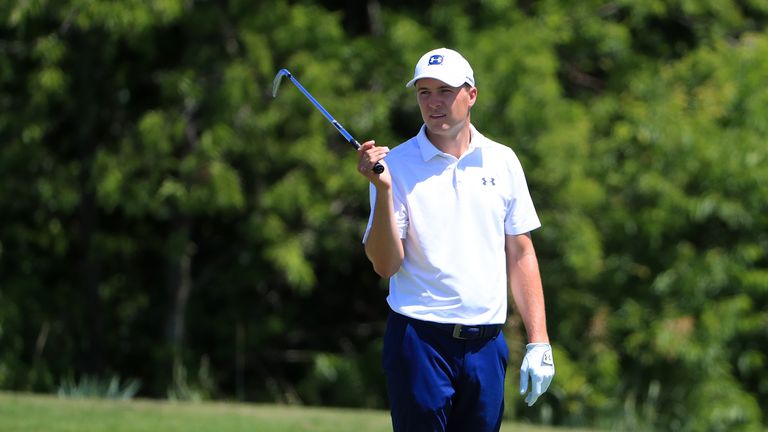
(434, 101)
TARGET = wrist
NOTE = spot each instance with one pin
(382, 188)
(538, 336)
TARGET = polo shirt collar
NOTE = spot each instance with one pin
(428, 150)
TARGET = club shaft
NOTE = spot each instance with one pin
(378, 168)
(325, 112)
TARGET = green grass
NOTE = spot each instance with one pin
(20, 412)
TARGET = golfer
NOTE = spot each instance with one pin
(450, 227)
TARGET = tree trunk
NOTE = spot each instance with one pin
(92, 321)
(179, 283)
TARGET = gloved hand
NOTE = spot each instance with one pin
(539, 365)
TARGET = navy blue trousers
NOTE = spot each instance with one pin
(438, 383)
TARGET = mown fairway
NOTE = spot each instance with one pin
(35, 413)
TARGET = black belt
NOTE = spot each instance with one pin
(469, 332)
(462, 331)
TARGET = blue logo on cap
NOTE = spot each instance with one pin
(436, 59)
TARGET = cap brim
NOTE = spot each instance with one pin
(453, 82)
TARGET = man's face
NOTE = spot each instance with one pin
(444, 108)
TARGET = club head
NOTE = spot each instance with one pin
(278, 80)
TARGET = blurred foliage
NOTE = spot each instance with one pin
(157, 207)
(94, 387)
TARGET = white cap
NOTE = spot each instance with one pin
(445, 65)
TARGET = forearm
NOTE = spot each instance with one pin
(383, 245)
(527, 292)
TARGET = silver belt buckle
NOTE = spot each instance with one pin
(457, 331)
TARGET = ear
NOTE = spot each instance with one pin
(472, 92)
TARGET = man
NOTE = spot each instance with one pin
(450, 226)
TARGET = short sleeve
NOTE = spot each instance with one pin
(401, 213)
(521, 215)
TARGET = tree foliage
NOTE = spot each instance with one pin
(162, 218)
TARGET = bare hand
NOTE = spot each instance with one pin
(370, 154)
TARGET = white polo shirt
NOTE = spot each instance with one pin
(453, 215)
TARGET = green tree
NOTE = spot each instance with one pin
(163, 218)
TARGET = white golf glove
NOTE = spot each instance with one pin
(539, 365)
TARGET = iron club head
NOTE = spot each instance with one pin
(278, 80)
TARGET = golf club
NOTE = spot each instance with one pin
(378, 168)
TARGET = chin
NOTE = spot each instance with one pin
(437, 124)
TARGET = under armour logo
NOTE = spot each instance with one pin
(547, 358)
(436, 59)
(492, 181)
